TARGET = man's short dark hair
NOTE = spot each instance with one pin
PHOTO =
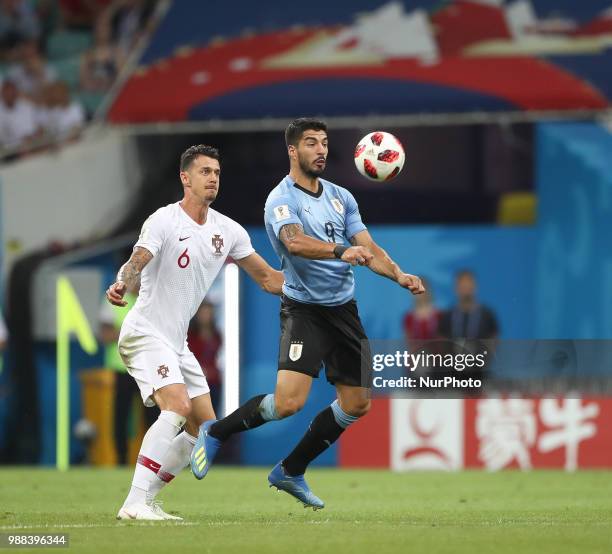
(196, 150)
(295, 129)
(465, 273)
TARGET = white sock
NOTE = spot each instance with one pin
(155, 444)
(175, 460)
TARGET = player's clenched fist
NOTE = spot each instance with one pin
(357, 255)
(114, 293)
(411, 282)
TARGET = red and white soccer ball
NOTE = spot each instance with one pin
(379, 156)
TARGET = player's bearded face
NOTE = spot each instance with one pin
(312, 153)
(312, 168)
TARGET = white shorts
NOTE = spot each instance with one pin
(153, 364)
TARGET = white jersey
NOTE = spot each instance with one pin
(186, 259)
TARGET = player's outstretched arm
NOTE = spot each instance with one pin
(300, 244)
(265, 276)
(128, 276)
(382, 264)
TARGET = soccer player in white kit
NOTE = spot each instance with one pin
(180, 251)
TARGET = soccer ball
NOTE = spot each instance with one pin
(379, 156)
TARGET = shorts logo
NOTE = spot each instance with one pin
(337, 205)
(217, 242)
(163, 371)
(295, 351)
(282, 212)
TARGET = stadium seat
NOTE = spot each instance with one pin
(89, 100)
(68, 71)
(64, 44)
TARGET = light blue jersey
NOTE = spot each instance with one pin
(331, 215)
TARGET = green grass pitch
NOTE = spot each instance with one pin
(234, 511)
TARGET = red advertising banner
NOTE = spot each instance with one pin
(367, 444)
(564, 433)
(487, 433)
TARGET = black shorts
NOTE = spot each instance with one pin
(313, 335)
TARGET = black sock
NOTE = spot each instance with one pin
(322, 433)
(246, 417)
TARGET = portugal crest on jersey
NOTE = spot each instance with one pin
(295, 351)
(217, 242)
(163, 371)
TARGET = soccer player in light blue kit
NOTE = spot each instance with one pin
(308, 220)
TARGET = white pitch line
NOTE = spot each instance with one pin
(498, 522)
(137, 523)
(98, 525)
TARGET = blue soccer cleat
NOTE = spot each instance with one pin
(295, 486)
(204, 451)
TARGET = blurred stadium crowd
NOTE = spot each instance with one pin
(57, 60)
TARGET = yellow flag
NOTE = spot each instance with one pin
(70, 319)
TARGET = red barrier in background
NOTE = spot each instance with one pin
(567, 433)
(367, 443)
(488, 433)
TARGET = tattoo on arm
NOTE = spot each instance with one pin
(130, 271)
(353, 241)
(289, 232)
